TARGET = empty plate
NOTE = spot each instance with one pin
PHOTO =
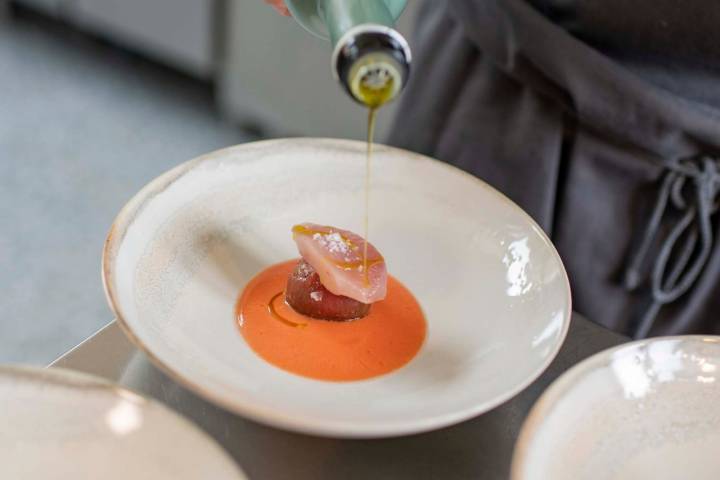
(491, 285)
(648, 409)
(60, 424)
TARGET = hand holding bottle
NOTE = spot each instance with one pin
(370, 59)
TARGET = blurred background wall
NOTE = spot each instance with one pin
(267, 71)
(97, 97)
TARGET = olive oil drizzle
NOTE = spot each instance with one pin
(372, 111)
(374, 97)
(366, 263)
(273, 311)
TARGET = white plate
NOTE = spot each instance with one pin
(491, 284)
(60, 424)
(648, 409)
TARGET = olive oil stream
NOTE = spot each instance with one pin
(372, 112)
(374, 98)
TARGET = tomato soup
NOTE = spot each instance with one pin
(383, 341)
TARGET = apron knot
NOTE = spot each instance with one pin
(690, 187)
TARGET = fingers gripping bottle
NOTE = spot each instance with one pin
(370, 59)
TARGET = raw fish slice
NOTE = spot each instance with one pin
(337, 257)
(306, 295)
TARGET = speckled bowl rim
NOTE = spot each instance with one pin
(85, 381)
(270, 416)
(567, 382)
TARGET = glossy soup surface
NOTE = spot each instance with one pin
(385, 340)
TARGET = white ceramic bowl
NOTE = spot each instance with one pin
(60, 424)
(491, 284)
(648, 409)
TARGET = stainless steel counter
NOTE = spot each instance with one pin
(480, 448)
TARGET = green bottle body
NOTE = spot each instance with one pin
(330, 19)
(369, 58)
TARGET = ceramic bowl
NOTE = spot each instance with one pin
(60, 424)
(491, 284)
(648, 409)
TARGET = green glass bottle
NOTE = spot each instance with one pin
(370, 58)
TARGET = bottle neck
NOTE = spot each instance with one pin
(340, 16)
(372, 62)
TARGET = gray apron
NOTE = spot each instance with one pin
(603, 124)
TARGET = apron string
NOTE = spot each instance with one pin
(671, 275)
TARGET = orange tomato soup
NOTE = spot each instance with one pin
(383, 341)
